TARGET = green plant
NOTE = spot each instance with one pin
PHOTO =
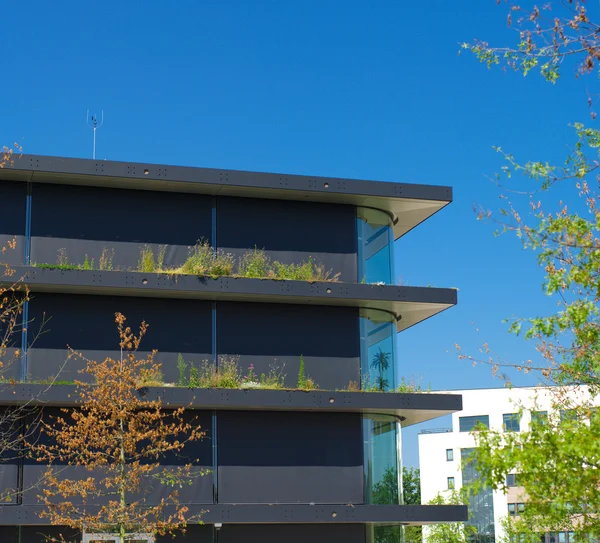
(255, 263)
(146, 263)
(106, 259)
(321, 274)
(309, 384)
(182, 367)
(275, 378)
(251, 375)
(58, 266)
(294, 272)
(87, 263)
(228, 373)
(353, 386)
(301, 374)
(61, 257)
(411, 386)
(304, 382)
(160, 257)
(205, 260)
(194, 381)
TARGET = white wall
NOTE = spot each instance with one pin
(493, 402)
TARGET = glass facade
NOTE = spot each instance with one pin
(466, 424)
(511, 422)
(375, 246)
(481, 505)
(382, 461)
(377, 350)
(384, 534)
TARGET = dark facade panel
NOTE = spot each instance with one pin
(87, 324)
(292, 533)
(276, 335)
(289, 458)
(11, 427)
(13, 197)
(291, 232)
(11, 358)
(82, 221)
(193, 534)
(10, 534)
(43, 534)
(198, 453)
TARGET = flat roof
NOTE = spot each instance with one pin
(407, 204)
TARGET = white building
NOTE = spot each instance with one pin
(440, 451)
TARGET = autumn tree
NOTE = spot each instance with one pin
(116, 440)
(556, 457)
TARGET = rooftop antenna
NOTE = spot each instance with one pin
(93, 122)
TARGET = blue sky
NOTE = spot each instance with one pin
(349, 89)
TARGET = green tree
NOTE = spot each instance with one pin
(411, 492)
(557, 460)
(385, 491)
(451, 532)
(411, 486)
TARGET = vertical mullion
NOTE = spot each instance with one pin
(27, 251)
(215, 458)
(215, 357)
(27, 262)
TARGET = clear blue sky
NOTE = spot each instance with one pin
(314, 87)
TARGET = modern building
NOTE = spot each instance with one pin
(284, 465)
(444, 452)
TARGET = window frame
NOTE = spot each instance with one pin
(515, 480)
(449, 455)
(476, 419)
(510, 419)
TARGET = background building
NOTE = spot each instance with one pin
(284, 465)
(442, 453)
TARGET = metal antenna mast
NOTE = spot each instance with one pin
(93, 122)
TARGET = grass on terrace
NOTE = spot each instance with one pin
(204, 260)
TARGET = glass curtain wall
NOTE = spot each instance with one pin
(481, 505)
(383, 472)
(382, 461)
(375, 246)
(377, 350)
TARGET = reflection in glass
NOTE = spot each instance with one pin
(481, 505)
(382, 463)
(385, 534)
(375, 246)
(377, 350)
